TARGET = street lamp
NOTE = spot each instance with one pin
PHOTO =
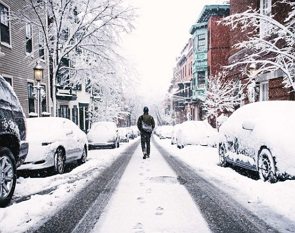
(38, 75)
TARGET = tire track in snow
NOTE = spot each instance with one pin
(83, 211)
(222, 213)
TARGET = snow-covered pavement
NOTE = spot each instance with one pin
(46, 195)
(150, 199)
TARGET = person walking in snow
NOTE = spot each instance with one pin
(146, 125)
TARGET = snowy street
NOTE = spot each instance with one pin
(150, 196)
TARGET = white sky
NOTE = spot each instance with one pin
(162, 30)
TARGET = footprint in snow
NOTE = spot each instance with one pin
(149, 190)
(140, 199)
(138, 228)
(159, 210)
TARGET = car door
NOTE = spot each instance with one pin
(77, 140)
(70, 141)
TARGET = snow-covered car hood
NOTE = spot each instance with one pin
(273, 126)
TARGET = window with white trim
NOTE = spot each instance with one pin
(41, 45)
(265, 9)
(264, 90)
(4, 25)
(29, 38)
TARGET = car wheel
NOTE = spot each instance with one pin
(266, 166)
(83, 157)
(59, 161)
(7, 176)
(222, 152)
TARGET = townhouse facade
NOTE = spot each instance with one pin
(206, 46)
(180, 90)
(268, 85)
(214, 46)
(21, 46)
(209, 51)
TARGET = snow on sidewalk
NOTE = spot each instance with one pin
(150, 199)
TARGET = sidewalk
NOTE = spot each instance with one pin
(150, 199)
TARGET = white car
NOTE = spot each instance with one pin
(259, 137)
(103, 134)
(124, 134)
(54, 142)
(195, 133)
(165, 131)
(174, 134)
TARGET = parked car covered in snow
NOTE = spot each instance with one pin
(174, 134)
(124, 134)
(134, 132)
(13, 144)
(164, 131)
(259, 137)
(195, 133)
(103, 134)
(53, 143)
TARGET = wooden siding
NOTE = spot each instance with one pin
(16, 63)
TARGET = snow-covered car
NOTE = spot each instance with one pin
(124, 134)
(13, 144)
(53, 143)
(195, 133)
(103, 134)
(134, 132)
(174, 134)
(164, 131)
(259, 137)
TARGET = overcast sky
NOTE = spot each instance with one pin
(162, 30)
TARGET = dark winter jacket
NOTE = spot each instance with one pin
(147, 119)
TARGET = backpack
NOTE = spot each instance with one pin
(146, 127)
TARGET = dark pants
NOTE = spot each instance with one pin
(146, 142)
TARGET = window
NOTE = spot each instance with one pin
(201, 45)
(75, 114)
(64, 111)
(4, 24)
(265, 9)
(29, 36)
(201, 79)
(31, 97)
(43, 98)
(9, 80)
(264, 91)
(41, 45)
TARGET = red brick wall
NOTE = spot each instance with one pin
(219, 45)
(277, 90)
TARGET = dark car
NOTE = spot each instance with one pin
(13, 147)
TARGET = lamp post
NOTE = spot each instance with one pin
(38, 76)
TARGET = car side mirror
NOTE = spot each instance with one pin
(248, 125)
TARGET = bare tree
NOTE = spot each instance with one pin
(222, 96)
(274, 47)
(80, 37)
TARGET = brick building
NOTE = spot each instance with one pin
(218, 45)
(206, 44)
(268, 86)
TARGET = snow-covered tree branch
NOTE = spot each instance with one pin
(270, 44)
(81, 39)
(222, 96)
